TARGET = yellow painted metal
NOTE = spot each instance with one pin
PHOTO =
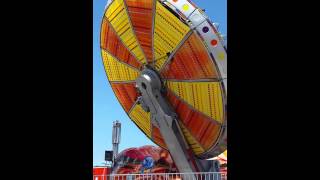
(168, 33)
(142, 119)
(193, 143)
(118, 17)
(116, 70)
(160, 61)
(205, 97)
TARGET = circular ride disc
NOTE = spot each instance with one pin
(176, 39)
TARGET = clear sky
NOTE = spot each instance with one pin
(106, 108)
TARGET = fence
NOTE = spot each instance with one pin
(164, 176)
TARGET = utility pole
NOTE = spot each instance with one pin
(116, 132)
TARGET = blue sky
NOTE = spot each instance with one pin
(106, 108)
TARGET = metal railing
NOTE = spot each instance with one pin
(165, 176)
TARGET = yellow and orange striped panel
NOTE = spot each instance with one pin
(206, 97)
(169, 31)
(126, 94)
(118, 17)
(140, 12)
(204, 131)
(191, 62)
(193, 143)
(117, 70)
(142, 119)
(110, 42)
